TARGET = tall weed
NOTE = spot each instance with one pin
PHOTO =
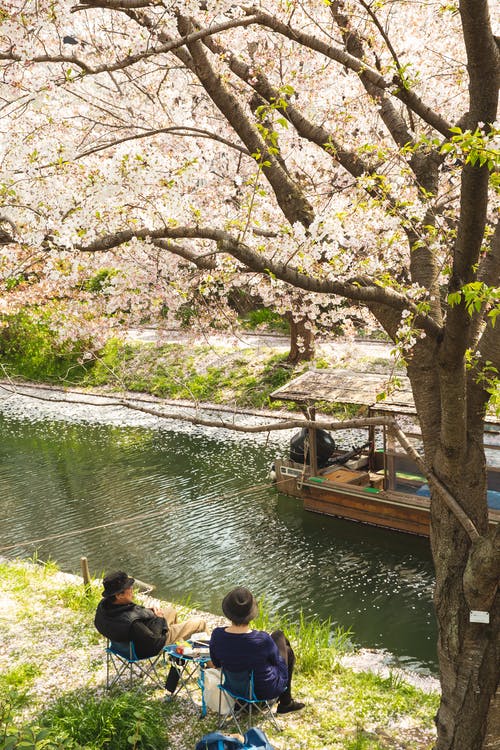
(115, 721)
(317, 645)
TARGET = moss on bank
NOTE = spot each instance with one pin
(52, 685)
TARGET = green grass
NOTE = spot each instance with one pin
(217, 374)
(316, 644)
(264, 318)
(345, 710)
(116, 721)
(168, 371)
(15, 685)
(82, 721)
(80, 598)
(30, 347)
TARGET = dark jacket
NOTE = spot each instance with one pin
(255, 651)
(131, 622)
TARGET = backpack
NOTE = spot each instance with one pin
(254, 739)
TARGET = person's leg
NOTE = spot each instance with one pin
(170, 614)
(285, 700)
(181, 631)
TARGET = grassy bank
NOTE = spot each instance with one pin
(224, 373)
(53, 673)
(219, 374)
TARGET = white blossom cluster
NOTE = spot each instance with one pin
(141, 145)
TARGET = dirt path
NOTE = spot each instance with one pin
(338, 348)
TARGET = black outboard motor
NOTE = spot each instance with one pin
(325, 445)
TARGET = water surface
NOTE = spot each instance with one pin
(204, 520)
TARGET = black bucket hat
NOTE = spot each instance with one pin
(240, 606)
(115, 583)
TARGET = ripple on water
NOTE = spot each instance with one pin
(209, 521)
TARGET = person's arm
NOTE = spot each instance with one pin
(213, 651)
(271, 651)
(150, 638)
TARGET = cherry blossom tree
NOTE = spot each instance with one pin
(330, 155)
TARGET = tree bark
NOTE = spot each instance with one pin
(468, 653)
(302, 344)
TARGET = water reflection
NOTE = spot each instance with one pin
(216, 523)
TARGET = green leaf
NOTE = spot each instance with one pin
(454, 298)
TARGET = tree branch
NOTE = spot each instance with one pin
(290, 199)
(483, 64)
(203, 262)
(174, 130)
(167, 46)
(354, 45)
(362, 290)
(437, 485)
(317, 134)
(396, 86)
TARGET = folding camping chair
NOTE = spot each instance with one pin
(240, 687)
(123, 665)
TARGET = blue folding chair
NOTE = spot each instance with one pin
(123, 665)
(239, 687)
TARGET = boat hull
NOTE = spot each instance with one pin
(355, 499)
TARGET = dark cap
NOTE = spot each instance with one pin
(115, 583)
(240, 606)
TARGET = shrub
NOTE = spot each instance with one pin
(316, 644)
(263, 317)
(30, 347)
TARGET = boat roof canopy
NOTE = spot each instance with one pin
(381, 392)
(349, 387)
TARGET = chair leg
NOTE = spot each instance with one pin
(126, 671)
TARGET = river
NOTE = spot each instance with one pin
(197, 516)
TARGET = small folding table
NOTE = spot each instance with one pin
(187, 671)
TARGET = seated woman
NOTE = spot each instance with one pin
(238, 648)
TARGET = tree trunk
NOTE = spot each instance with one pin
(469, 653)
(467, 570)
(302, 344)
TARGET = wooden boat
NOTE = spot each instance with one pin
(377, 484)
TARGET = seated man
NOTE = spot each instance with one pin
(238, 648)
(119, 619)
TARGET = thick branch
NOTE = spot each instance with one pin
(168, 46)
(115, 4)
(396, 86)
(483, 61)
(354, 45)
(483, 64)
(72, 59)
(290, 199)
(360, 290)
(317, 134)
